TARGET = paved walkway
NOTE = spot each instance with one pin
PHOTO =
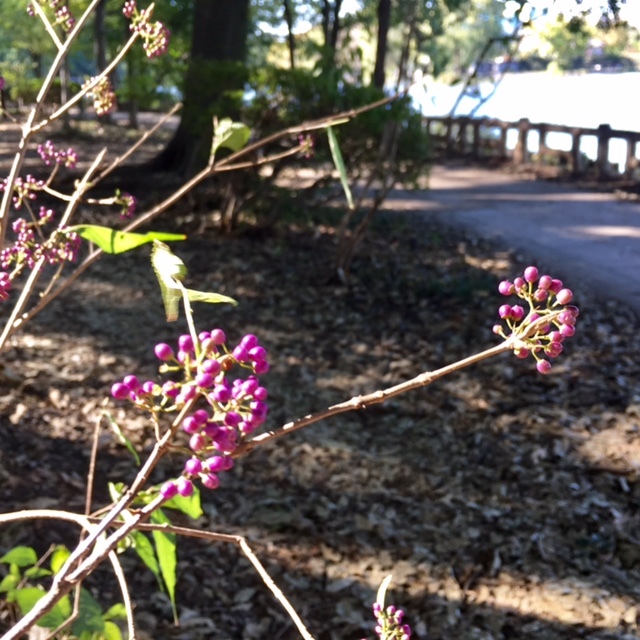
(585, 237)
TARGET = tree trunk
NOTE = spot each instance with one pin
(384, 21)
(288, 16)
(100, 43)
(330, 30)
(216, 65)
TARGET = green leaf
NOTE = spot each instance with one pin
(167, 557)
(191, 506)
(121, 438)
(33, 573)
(144, 549)
(28, 597)
(336, 154)
(58, 558)
(116, 490)
(9, 583)
(170, 270)
(116, 612)
(89, 618)
(111, 631)
(229, 134)
(20, 556)
(114, 241)
(212, 298)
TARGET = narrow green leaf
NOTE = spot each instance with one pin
(111, 631)
(121, 438)
(20, 556)
(170, 270)
(336, 154)
(191, 506)
(382, 591)
(59, 557)
(229, 134)
(116, 490)
(89, 618)
(144, 549)
(114, 241)
(212, 298)
(33, 573)
(29, 596)
(167, 556)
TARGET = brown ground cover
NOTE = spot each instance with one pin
(504, 503)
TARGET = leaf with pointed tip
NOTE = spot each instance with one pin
(170, 270)
(336, 154)
(382, 591)
(114, 241)
(211, 298)
(122, 439)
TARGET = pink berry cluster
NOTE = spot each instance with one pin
(24, 189)
(30, 245)
(63, 15)
(104, 97)
(155, 35)
(224, 411)
(390, 623)
(127, 204)
(546, 297)
(51, 155)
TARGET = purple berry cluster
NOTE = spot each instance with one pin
(546, 297)
(30, 246)
(24, 189)
(127, 204)
(51, 155)
(155, 35)
(64, 17)
(224, 411)
(390, 623)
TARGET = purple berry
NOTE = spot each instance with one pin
(190, 425)
(505, 311)
(204, 335)
(200, 416)
(530, 274)
(193, 466)
(260, 393)
(218, 337)
(261, 367)
(168, 490)
(564, 296)
(132, 382)
(149, 387)
(211, 366)
(232, 419)
(120, 391)
(249, 341)
(215, 463)
(521, 353)
(184, 487)
(221, 394)
(519, 284)
(170, 389)
(506, 288)
(204, 380)
(567, 330)
(540, 295)
(258, 353)
(210, 480)
(197, 442)
(185, 342)
(163, 351)
(211, 430)
(241, 353)
(543, 366)
(555, 286)
(545, 282)
(517, 312)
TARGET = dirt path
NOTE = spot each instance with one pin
(589, 237)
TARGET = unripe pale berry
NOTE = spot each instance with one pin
(564, 296)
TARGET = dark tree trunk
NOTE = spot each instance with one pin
(216, 65)
(288, 16)
(99, 32)
(384, 21)
(330, 30)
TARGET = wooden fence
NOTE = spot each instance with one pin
(487, 137)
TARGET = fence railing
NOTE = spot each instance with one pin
(487, 138)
